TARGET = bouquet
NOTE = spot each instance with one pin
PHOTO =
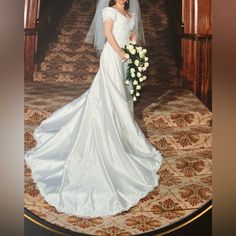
(137, 64)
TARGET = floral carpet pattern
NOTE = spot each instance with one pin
(172, 118)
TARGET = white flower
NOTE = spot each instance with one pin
(132, 75)
(137, 94)
(130, 47)
(139, 74)
(141, 55)
(136, 62)
(144, 77)
(133, 51)
(134, 99)
(138, 49)
(132, 70)
(127, 82)
(144, 51)
(135, 82)
(146, 58)
(138, 87)
(144, 68)
(140, 68)
(141, 79)
(146, 64)
(131, 91)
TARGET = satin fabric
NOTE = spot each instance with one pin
(91, 158)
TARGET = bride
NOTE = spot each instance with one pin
(91, 158)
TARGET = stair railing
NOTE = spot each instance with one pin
(41, 19)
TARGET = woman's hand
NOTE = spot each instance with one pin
(122, 55)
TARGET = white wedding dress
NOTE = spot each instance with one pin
(91, 158)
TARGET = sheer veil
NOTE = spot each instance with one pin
(95, 34)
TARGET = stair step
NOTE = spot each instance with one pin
(181, 138)
(72, 31)
(74, 69)
(71, 48)
(180, 119)
(172, 155)
(77, 35)
(161, 107)
(78, 38)
(167, 119)
(80, 77)
(83, 57)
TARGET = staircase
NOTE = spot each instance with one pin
(175, 121)
(69, 59)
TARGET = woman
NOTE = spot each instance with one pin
(91, 157)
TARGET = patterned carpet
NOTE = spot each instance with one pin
(173, 119)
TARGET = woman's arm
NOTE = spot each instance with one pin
(108, 24)
(132, 36)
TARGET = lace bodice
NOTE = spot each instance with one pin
(122, 25)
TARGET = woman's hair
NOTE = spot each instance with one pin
(113, 2)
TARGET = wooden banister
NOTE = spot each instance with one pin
(199, 51)
(41, 18)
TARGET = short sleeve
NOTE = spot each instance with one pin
(108, 13)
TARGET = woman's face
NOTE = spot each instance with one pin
(121, 1)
